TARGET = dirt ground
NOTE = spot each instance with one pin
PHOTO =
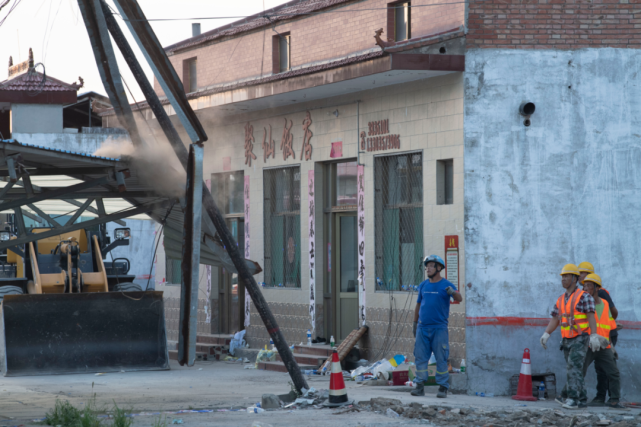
(228, 389)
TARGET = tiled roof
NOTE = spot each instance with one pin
(32, 82)
(288, 10)
(275, 77)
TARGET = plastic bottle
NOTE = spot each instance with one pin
(331, 341)
(462, 365)
(271, 343)
(309, 337)
(255, 410)
(542, 391)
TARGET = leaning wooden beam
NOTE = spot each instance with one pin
(347, 345)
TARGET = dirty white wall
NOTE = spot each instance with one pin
(49, 118)
(564, 190)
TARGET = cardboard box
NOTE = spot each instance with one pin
(400, 377)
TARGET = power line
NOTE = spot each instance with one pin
(291, 14)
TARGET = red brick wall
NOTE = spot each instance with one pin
(319, 37)
(553, 24)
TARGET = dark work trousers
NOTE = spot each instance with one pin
(607, 373)
(602, 379)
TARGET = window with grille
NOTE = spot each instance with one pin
(173, 272)
(398, 215)
(281, 190)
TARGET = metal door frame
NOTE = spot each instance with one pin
(225, 291)
(336, 268)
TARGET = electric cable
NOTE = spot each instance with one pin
(290, 14)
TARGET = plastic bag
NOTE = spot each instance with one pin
(237, 342)
(265, 356)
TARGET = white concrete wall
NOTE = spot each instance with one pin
(36, 118)
(566, 189)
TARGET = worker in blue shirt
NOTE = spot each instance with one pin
(430, 326)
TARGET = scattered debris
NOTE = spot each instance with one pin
(392, 413)
(270, 401)
(345, 410)
(177, 421)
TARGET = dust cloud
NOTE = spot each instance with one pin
(155, 164)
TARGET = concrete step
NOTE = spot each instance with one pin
(317, 349)
(280, 366)
(314, 360)
(203, 348)
(200, 356)
(220, 339)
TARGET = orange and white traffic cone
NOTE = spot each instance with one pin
(337, 391)
(524, 392)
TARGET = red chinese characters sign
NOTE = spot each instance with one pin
(452, 261)
(286, 143)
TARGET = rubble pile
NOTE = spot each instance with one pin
(443, 416)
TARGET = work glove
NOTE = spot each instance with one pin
(414, 328)
(544, 340)
(616, 355)
(595, 343)
(450, 290)
(604, 342)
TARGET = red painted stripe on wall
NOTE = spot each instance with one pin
(530, 321)
(506, 321)
(144, 276)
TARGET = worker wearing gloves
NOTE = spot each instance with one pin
(586, 268)
(602, 383)
(604, 360)
(430, 325)
(574, 310)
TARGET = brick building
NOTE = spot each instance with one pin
(443, 82)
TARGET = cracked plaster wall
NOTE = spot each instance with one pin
(564, 190)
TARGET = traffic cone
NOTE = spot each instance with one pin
(337, 391)
(524, 392)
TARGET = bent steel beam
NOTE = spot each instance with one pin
(26, 238)
(191, 259)
(107, 66)
(60, 193)
(214, 219)
(161, 66)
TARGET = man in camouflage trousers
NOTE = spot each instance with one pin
(574, 351)
(574, 312)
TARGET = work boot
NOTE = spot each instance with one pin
(419, 390)
(560, 400)
(615, 404)
(442, 392)
(597, 402)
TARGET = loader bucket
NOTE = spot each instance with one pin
(82, 333)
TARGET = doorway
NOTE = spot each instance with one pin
(341, 257)
(346, 279)
(231, 297)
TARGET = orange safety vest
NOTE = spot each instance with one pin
(573, 322)
(605, 323)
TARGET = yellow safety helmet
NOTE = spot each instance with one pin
(586, 267)
(570, 269)
(594, 278)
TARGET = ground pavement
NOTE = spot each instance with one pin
(229, 387)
